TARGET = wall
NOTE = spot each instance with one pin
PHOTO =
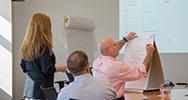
(175, 66)
(5, 50)
(5, 9)
(106, 16)
(103, 12)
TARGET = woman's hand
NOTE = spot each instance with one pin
(61, 68)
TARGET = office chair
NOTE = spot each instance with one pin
(73, 99)
(120, 98)
(50, 92)
(70, 77)
(63, 82)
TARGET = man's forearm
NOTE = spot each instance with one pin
(121, 43)
(147, 61)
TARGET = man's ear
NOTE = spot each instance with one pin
(88, 68)
(108, 51)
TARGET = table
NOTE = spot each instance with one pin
(176, 94)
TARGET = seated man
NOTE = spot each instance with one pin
(106, 66)
(85, 86)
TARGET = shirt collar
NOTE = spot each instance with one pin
(82, 77)
(108, 57)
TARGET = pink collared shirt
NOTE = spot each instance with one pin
(117, 72)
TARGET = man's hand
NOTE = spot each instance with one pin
(131, 36)
(150, 49)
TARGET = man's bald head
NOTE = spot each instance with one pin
(104, 45)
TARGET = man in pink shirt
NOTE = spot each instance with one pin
(106, 66)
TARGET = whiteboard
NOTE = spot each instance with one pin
(168, 19)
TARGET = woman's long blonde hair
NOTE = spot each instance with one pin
(38, 37)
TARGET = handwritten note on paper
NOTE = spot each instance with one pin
(135, 52)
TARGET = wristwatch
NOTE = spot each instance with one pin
(125, 39)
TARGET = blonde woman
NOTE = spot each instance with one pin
(38, 59)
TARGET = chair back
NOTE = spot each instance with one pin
(70, 76)
(62, 83)
(120, 98)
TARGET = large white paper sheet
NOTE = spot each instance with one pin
(134, 55)
(79, 23)
(81, 40)
(79, 35)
